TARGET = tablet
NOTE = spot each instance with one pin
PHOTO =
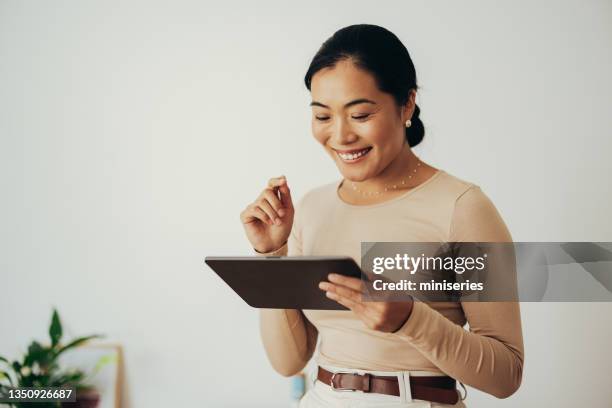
(282, 282)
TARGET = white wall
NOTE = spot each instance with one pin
(133, 133)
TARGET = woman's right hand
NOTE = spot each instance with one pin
(268, 220)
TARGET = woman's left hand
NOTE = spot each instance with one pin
(381, 316)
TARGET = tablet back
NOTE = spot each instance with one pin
(282, 282)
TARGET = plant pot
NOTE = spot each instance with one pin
(84, 399)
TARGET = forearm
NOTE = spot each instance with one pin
(490, 363)
(288, 338)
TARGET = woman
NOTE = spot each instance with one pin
(405, 354)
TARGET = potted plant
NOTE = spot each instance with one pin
(39, 367)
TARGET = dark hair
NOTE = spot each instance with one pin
(379, 52)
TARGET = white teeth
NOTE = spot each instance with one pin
(352, 156)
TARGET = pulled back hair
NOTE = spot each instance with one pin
(379, 52)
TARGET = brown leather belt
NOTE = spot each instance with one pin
(442, 389)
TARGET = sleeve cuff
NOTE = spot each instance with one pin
(417, 322)
(277, 252)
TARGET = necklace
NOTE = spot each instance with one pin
(387, 186)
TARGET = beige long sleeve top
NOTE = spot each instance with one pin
(487, 356)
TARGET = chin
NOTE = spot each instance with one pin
(356, 176)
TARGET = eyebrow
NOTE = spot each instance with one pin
(347, 105)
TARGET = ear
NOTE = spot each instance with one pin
(409, 107)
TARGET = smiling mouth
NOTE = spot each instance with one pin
(353, 155)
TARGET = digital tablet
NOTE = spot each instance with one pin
(282, 282)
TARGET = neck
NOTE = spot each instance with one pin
(397, 171)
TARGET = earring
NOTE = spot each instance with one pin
(408, 123)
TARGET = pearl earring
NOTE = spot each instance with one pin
(408, 123)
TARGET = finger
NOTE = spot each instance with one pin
(276, 182)
(254, 213)
(348, 281)
(285, 195)
(267, 208)
(341, 291)
(280, 187)
(348, 293)
(343, 301)
(359, 308)
(274, 202)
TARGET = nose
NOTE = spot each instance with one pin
(342, 133)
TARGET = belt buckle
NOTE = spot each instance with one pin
(331, 382)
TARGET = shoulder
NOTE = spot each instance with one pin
(447, 190)
(474, 216)
(465, 195)
(453, 187)
(456, 199)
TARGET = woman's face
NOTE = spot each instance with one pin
(360, 127)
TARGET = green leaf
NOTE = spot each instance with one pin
(55, 330)
(76, 343)
(3, 359)
(102, 362)
(4, 374)
(37, 353)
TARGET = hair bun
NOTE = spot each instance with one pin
(416, 131)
